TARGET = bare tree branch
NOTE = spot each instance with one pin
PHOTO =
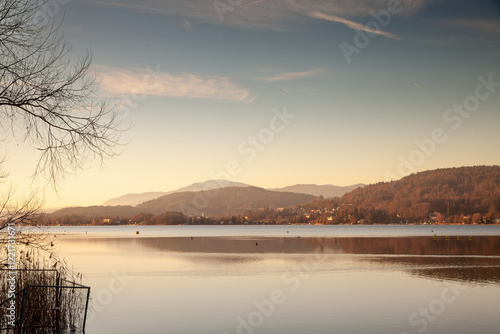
(49, 98)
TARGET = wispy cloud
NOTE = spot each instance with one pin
(118, 82)
(352, 24)
(251, 3)
(289, 76)
(260, 14)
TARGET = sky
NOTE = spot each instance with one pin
(280, 92)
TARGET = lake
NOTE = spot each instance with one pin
(288, 279)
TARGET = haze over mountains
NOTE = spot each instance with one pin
(309, 189)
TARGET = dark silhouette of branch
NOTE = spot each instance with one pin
(51, 101)
(48, 98)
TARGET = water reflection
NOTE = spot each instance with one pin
(475, 260)
(353, 285)
(421, 246)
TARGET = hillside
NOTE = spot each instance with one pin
(134, 199)
(97, 211)
(223, 201)
(452, 192)
(453, 195)
(326, 190)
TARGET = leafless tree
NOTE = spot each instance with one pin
(49, 99)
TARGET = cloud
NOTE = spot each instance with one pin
(289, 76)
(148, 81)
(352, 24)
(354, 8)
(251, 3)
(275, 15)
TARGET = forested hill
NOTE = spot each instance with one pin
(223, 201)
(452, 192)
(97, 211)
(453, 195)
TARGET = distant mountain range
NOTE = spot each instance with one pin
(452, 195)
(326, 191)
(136, 199)
(97, 211)
(229, 200)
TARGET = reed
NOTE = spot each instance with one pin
(52, 299)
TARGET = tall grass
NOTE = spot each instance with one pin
(52, 300)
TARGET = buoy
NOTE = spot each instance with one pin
(136, 232)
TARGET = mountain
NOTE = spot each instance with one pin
(210, 185)
(97, 211)
(229, 200)
(454, 193)
(134, 199)
(326, 190)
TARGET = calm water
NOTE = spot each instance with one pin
(288, 279)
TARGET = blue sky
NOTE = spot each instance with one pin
(196, 89)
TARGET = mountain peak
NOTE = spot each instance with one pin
(134, 199)
(211, 185)
(326, 190)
